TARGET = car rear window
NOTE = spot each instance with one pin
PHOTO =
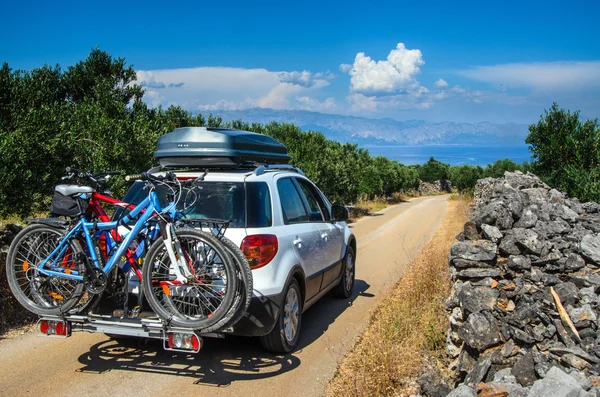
(243, 207)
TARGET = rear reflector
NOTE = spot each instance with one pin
(54, 328)
(181, 341)
(260, 249)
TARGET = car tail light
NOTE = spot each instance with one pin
(183, 341)
(54, 328)
(260, 249)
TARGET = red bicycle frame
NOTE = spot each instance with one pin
(95, 208)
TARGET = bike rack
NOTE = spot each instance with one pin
(151, 328)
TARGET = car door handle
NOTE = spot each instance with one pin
(297, 242)
(324, 236)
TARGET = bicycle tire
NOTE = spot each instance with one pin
(245, 285)
(155, 272)
(42, 294)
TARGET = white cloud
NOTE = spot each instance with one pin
(211, 88)
(548, 76)
(306, 78)
(441, 83)
(385, 77)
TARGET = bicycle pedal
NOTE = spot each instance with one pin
(135, 312)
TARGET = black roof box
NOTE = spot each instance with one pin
(217, 147)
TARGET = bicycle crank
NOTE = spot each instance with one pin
(96, 282)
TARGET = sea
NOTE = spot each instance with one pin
(451, 154)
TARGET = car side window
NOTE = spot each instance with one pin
(291, 203)
(318, 210)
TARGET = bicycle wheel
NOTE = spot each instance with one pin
(206, 296)
(244, 291)
(37, 292)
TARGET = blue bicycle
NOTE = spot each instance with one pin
(188, 276)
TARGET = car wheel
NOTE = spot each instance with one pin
(344, 288)
(284, 336)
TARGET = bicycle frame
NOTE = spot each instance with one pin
(143, 212)
(96, 208)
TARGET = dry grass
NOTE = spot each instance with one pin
(408, 326)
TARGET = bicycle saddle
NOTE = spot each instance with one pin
(70, 190)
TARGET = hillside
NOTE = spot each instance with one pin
(379, 131)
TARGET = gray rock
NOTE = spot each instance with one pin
(567, 292)
(520, 241)
(515, 206)
(505, 376)
(521, 336)
(528, 218)
(478, 372)
(518, 263)
(536, 195)
(524, 370)
(470, 231)
(464, 391)
(580, 378)
(508, 245)
(556, 383)
(495, 214)
(528, 240)
(574, 262)
(479, 250)
(475, 299)
(552, 228)
(587, 295)
(557, 197)
(491, 233)
(590, 249)
(564, 212)
(465, 264)
(479, 332)
(585, 279)
(582, 313)
(576, 351)
(478, 273)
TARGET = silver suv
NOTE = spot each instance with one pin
(297, 243)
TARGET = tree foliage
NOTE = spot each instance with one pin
(91, 116)
(566, 152)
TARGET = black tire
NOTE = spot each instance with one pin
(245, 284)
(156, 270)
(344, 288)
(280, 340)
(40, 294)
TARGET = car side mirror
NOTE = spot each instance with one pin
(339, 213)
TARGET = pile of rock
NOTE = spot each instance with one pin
(437, 187)
(524, 305)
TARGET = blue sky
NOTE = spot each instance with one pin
(478, 61)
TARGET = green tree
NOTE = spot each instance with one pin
(498, 169)
(566, 152)
(464, 177)
(434, 170)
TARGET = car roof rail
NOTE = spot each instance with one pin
(268, 167)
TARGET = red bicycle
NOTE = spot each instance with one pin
(106, 241)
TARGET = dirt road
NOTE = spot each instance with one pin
(94, 365)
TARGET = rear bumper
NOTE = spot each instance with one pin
(261, 316)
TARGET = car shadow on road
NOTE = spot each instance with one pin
(221, 361)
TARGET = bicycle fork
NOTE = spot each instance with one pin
(176, 256)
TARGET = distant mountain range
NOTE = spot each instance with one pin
(386, 131)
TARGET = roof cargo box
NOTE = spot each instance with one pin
(217, 147)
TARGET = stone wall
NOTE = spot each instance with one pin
(441, 186)
(524, 307)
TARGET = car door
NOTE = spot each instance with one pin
(332, 236)
(305, 235)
